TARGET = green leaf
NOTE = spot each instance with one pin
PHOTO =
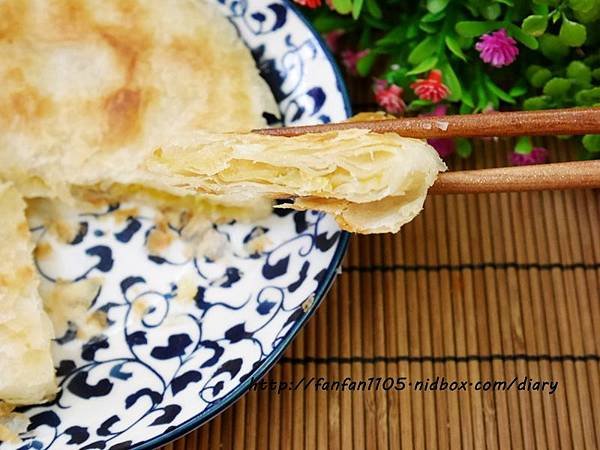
(540, 102)
(596, 74)
(342, 6)
(535, 25)
(435, 6)
(518, 90)
(424, 66)
(426, 48)
(592, 60)
(472, 29)
(532, 70)
(395, 36)
(506, 2)
(579, 72)
(524, 145)
(588, 97)
(557, 87)
(365, 38)
(572, 34)
(374, 9)
(412, 30)
(491, 12)
(541, 10)
(454, 47)
(555, 16)
(552, 47)
(522, 37)
(418, 103)
(325, 23)
(431, 17)
(540, 78)
(430, 28)
(465, 108)
(463, 148)
(494, 89)
(467, 99)
(378, 24)
(589, 16)
(581, 6)
(591, 142)
(482, 97)
(451, 80)
(357, 8)
(465, 43)
(397, 77)
(365, 64)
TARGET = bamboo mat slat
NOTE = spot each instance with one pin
(478, 287)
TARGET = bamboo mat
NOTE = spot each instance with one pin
(478, 287)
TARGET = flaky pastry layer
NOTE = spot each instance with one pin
(26, 368)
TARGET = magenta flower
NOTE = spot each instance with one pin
(439, 110)
(389, 96)
(538, 155)
(497, 48)
(444, 146)
(333, 40)
(351, 57)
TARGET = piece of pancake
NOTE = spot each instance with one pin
(26, 368)
(370, 182)
(113, 93)
(87, 77)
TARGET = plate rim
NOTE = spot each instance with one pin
(320, 293)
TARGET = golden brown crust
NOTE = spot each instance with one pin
(87, 77)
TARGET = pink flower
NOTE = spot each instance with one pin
(351, 57)
(333, 40)
(445, 147)
(431, 88)
(538, 155)
(497, 48)
(389, 96)
(439, 110)
(309, 3)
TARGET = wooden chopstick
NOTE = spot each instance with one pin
(518, 123)
(568, 175)
(572, 175)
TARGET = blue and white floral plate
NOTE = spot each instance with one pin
(161, 369)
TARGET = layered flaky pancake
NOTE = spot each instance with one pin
(104, 93)
(26, 368)
(370, 182)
